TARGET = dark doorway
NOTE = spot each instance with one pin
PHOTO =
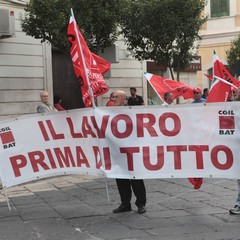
(65, 83)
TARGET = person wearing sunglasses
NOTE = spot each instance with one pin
(197, 96)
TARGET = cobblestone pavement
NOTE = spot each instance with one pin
(77, 207)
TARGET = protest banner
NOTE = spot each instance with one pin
(144, 142)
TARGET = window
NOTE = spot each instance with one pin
(219, 8)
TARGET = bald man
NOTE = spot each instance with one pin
(45, 106)
(126, 186)
(119, 98)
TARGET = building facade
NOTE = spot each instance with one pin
(25, 67)
(221, 28)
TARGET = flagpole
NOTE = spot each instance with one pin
(84, 63)
(223, 80)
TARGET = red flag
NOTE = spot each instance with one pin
(196, 182)
(102, 64)
(220, 90)
(162, 85)
(88, 67)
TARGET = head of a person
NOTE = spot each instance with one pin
(237, 94)
(133, 91)
(196, 94)
(205, 91)
(119, 98)
(56, 99)
(168, 97)
(232, 96)
(44, 97)
(111, 94)
(110, 102)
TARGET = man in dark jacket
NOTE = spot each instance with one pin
(126, 186)
(134, 99)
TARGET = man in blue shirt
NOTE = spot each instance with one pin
(197, 96)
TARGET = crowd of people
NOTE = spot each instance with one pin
(127, 186)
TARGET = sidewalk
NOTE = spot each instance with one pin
(76, 208)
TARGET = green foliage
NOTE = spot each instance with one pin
(233, 54)
(98, 20)
(48, 20)
(163, 30)
(160, 30)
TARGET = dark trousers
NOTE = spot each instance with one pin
(125, 187)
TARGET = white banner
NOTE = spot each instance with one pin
(143, 142)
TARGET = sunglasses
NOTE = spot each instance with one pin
(196, 93)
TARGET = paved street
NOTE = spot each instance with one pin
(77, 207)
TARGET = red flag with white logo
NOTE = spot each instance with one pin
(222, 80)
(89, 68)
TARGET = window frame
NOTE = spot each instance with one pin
(219, 4)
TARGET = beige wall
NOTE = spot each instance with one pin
(125, 74)
(25, 70)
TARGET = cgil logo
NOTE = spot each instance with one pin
(7, 137)
(226, 122)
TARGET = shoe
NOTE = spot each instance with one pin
(141, 210)
(235, 210)
(122, 208)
